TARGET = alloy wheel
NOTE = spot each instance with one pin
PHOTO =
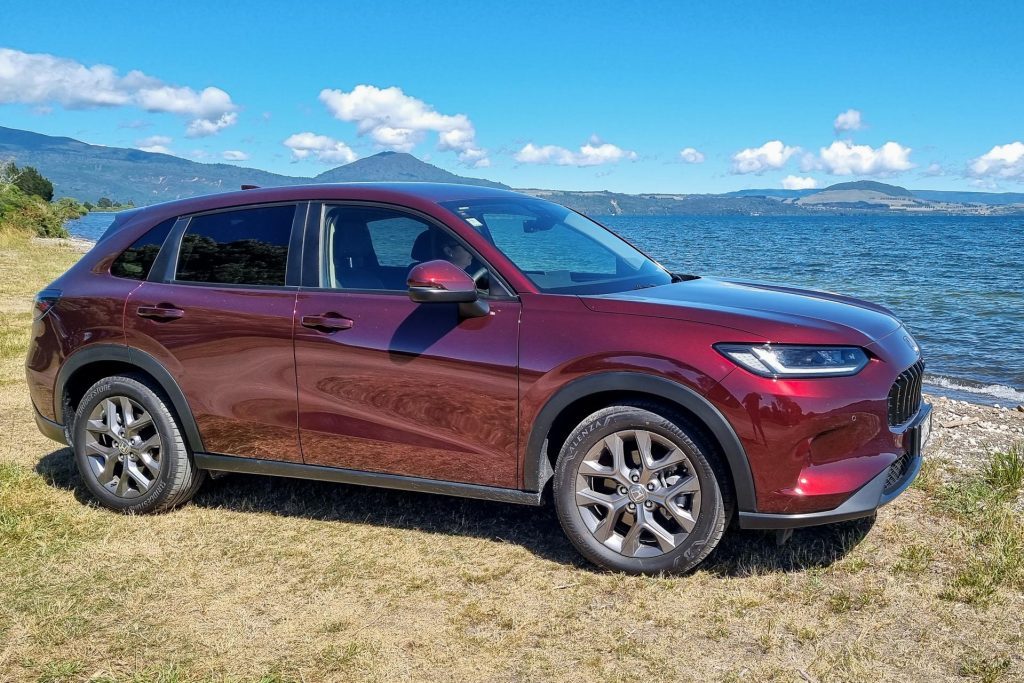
(123, 447)
(638, 493)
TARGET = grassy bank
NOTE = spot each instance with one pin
(22, 213)
(273, 580)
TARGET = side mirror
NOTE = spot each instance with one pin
(441, 281)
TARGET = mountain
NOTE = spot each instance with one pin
(870, 186)
(988, 198)
(392, 166)
(770, 192)
(88, 172)
(866, 195)
(606, 203)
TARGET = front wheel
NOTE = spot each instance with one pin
(129, 449)
(640, 490)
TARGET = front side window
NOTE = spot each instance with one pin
(559, 250)
(238, 247)
(136, 261)
(373, 248)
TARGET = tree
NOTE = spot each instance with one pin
(8, 172)
(88, 206)
(31, 181)
(104, 203)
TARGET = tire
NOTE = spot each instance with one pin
(681, 500)
(139, 463)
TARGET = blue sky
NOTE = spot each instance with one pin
(561, 95)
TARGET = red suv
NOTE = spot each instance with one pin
(473, 342)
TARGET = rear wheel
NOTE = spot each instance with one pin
(638, 489)
(129, 448)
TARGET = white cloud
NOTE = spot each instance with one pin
(795, 182)
(42, 79)
(1002, 161)
(398, 121)
(154, 143)
(234, 155)
(848, 120)
(325, 149)
(691, 156)
(771, 155)
(593, 153)
(843, 157)
(201, 128)
(934, 169)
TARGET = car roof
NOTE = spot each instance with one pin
(415, 195)
(429, 192)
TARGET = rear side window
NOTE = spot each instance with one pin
(243, 247)
(136, 261)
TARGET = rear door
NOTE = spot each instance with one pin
(217, 313)
(392, 386)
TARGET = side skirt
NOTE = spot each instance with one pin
(230, 463)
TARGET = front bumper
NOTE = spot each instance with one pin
(867, 499)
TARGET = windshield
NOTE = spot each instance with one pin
(559, 250)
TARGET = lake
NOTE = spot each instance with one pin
(956, 281)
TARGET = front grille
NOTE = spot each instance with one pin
(898, 472)
(905, 395)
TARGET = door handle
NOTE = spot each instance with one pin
(328, 322)
(161, 312)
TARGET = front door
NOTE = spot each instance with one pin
(388, 385)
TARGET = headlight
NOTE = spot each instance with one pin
(787, 360)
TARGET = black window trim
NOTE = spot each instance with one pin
(165, 267)
(156, 261)
(315, 256)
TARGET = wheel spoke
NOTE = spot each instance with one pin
(143, 482)
(606, 500)
(590, 468)
(684, 518)
(110, 412)
(107, 473)
(149, 444)
(643, 444)
(688, 484)
(666, 541)
(122, 484)
(149, 462)
(616, 447)
(674, 457)
(631, 541)
(605, 529)
(140, 422)
(126, 411)
(96, 426)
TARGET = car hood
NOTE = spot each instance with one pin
(778, 314)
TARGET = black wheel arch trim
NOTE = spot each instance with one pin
(537, 468)
(123, 354)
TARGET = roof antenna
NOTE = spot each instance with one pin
(250, 187)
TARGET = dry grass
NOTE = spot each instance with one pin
(275, 580)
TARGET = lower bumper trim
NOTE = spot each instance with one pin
(863, 503)
(49, 428)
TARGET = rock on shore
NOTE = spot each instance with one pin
(966, 434)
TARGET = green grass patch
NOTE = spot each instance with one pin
(994, 530)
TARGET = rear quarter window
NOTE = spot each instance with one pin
(241, 247)
(136, 261)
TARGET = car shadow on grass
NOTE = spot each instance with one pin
(740, 553)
